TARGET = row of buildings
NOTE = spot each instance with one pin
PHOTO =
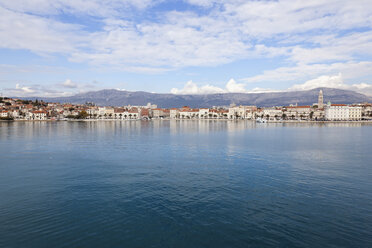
(39, 110)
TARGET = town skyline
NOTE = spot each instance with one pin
(17, 109)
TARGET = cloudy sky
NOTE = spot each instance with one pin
(62, 47)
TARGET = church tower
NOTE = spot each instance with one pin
(320, 99)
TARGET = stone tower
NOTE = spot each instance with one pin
(320, 99)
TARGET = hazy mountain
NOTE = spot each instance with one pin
(120, 98)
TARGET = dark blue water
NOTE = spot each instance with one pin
(185, 184)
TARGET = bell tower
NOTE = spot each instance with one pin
(320, 99)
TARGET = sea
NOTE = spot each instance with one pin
(186, 183)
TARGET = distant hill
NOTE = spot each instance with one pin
(119, 98)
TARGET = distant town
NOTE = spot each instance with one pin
(18, 109)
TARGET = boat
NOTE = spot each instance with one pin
(261, 120)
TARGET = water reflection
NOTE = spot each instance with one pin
(173, 183)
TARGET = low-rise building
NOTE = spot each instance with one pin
(37, 115)
(4, 114)
(272, 113)
(174, 113)
(297, 112)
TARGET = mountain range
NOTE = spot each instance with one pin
(111, 97)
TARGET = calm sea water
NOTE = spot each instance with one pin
(185, 184)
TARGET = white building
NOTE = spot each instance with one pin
(355, 113)
(188, 113)
(204, 113)
(37, 115)
(4, 114)
(342, 112)
(237, 112)
(157, 113)
(174, 113)
(272, 113)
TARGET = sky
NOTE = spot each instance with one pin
(65, 47)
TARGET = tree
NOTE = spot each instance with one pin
(267, 116)
(82, 115)
(7, 118)
(311, 115)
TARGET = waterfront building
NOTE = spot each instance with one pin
(93, 111)
(37, 115)
(355, 113)
(203, 113)
(133, 113)
(119, 113)
(188, 113)
(4, 114)
(101, 111)
(272, 113)
(145, 113)
(157, 113)
(174, 113)
(297, 112)
(343, 112)
(318, 114)
(166, 113)
(337, 112)
(237, 112)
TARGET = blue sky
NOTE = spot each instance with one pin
(64, 47)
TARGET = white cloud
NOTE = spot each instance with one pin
(302, 72)
(333, 81)
(192, 88)
(231, 87)
(313, 38)
(324, 81)
(37, 34)
(230, 31)
(24, 89)
(69, 84)
(88, 7)
(67, 88)
(34, 90)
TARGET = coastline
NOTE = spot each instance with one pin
(167, 119)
